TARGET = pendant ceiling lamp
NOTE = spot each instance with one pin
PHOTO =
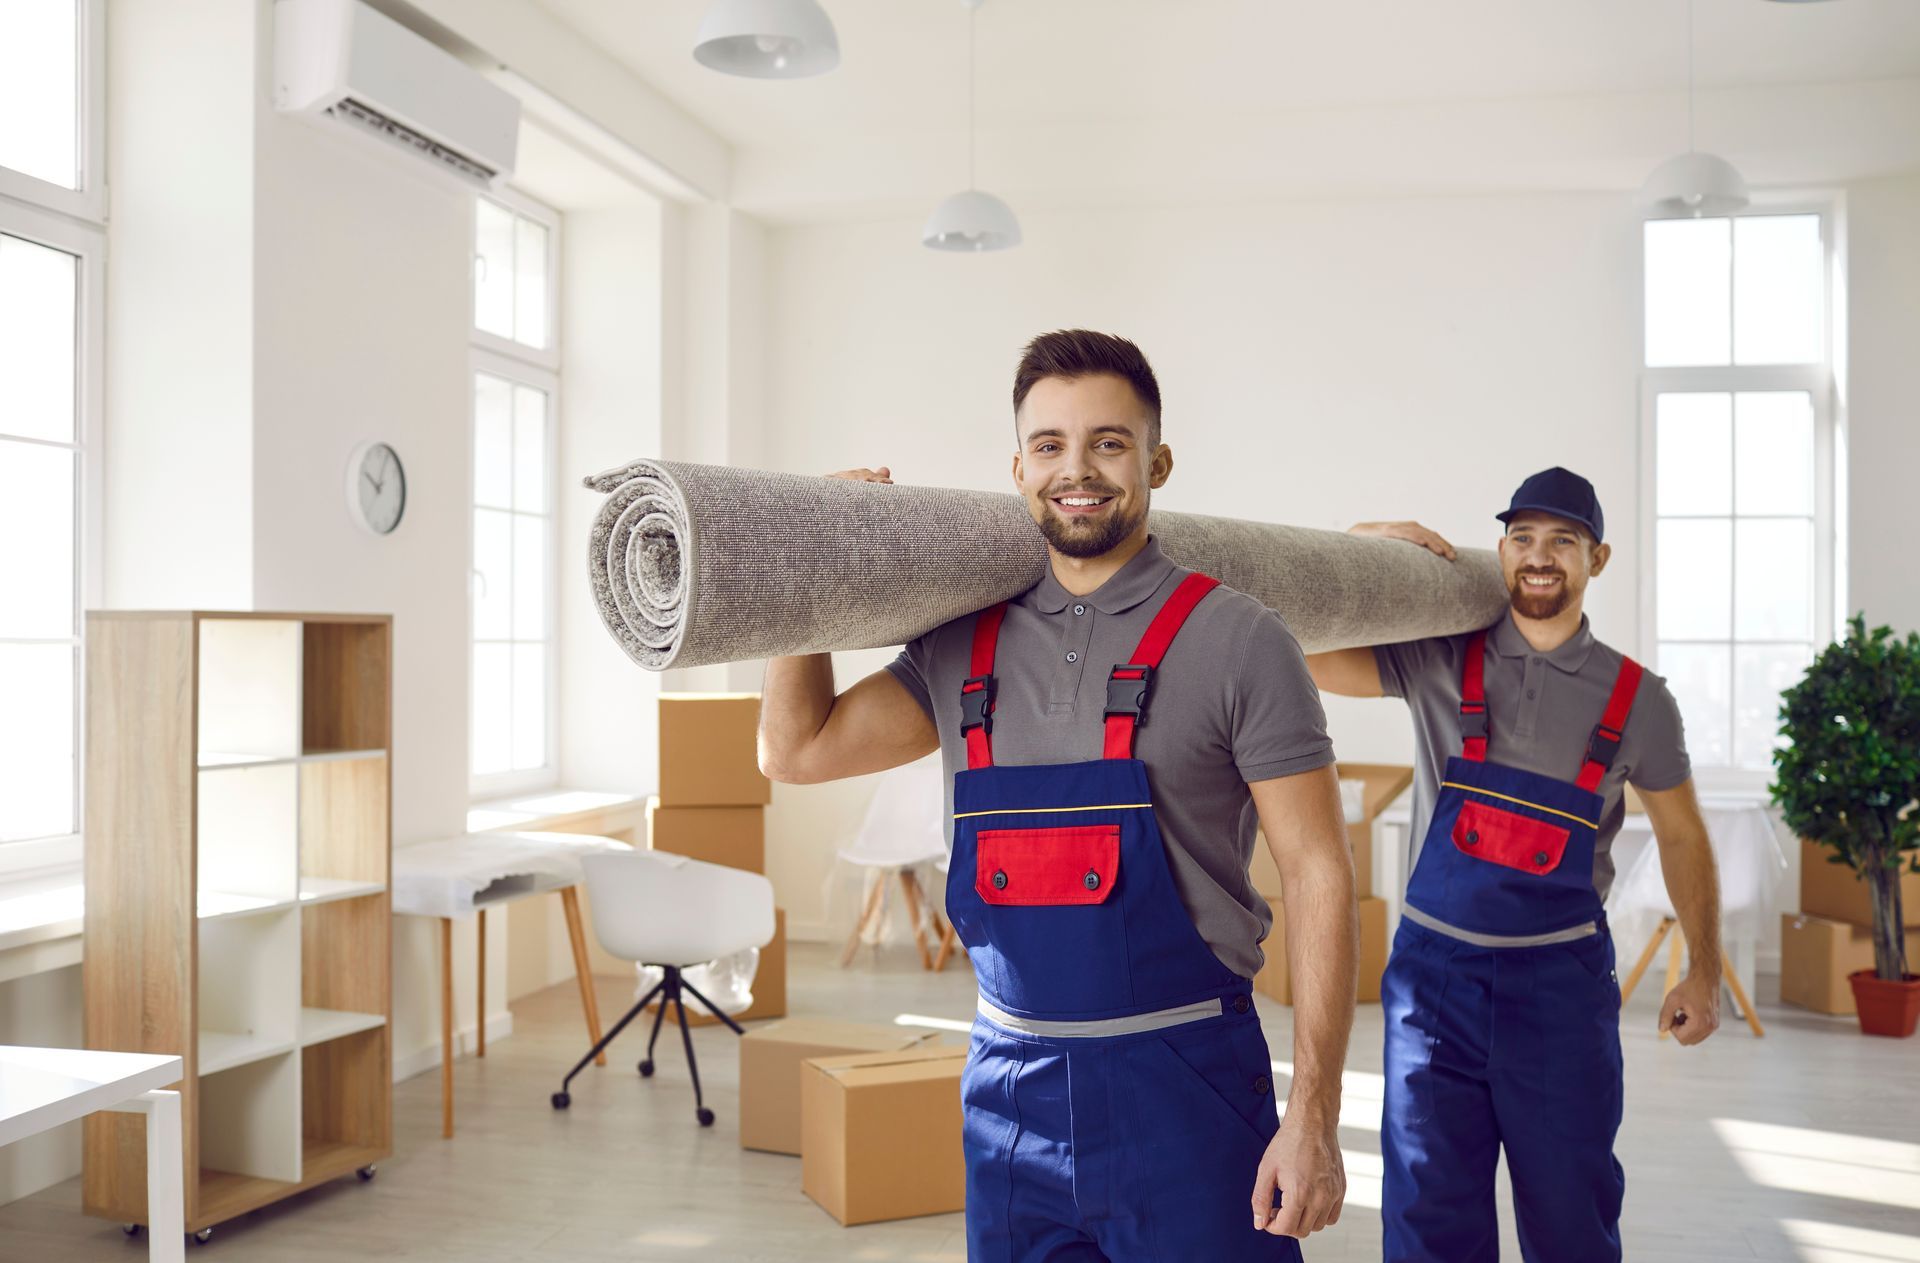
(971, 221)
(767, 39)
(1693, 184)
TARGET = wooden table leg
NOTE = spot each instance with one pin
(911, 884)
(948, 939)
(446, 1027)
(1646, 958)
(480, 1004)
(582, 969)
(866, 915)
(1746, 1005)
(1673, 968)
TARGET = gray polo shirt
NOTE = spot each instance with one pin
(1542, 708)
(1232, 703)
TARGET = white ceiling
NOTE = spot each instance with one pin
(1340, 94)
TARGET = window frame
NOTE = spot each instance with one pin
(87, 244)
(547, 357)
(88, 202)
(1819, 380)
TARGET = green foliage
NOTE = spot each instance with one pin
(1850, 776)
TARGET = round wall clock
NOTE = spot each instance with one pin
(376, 487)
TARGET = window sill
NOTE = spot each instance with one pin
(40, 922)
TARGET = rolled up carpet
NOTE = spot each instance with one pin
(698, 564)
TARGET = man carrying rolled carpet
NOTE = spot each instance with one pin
(1501, 1003)
(1115, 733)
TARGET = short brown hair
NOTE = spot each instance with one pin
(1076, 353)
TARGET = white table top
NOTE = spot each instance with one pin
(42, 1088)
(457, 876)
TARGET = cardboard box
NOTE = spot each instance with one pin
(769, 983)
(1817, 954)
(770, 1058)
(708, 751)
(1383, 783)
(881, 1134)
(1275, 980)
(734, 836)
(1833, 891)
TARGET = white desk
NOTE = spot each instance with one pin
(41, 1088)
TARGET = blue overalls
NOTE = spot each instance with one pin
(1502, 1011)
(1118, 1095)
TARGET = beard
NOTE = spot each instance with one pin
(1081, 537)
(1539, 605)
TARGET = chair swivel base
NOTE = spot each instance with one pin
(669, 989)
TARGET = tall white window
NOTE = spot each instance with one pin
(51, 251)
(515, 396)
(1738, 406)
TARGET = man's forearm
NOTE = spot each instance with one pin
(796, 696)
(1322, 948)
(1693, 884)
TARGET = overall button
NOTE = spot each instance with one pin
(1263, 1085)
(1473, 837)
(1541, 858)
(1072, 656)
(1092, 879)
(1241, 1004)
(1000, 880)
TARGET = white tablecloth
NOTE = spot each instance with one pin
(454, 877)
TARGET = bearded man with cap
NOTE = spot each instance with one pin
(1501, 999)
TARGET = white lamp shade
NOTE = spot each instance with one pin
(971, 221)
(767, 39)
(1693, 184)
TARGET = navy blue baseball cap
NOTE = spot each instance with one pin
(1562, 493)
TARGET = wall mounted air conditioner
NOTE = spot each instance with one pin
(340, 59)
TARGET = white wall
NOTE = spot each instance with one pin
(1321, 363)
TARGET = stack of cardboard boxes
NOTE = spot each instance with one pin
(1382, 784)
(873, 1113)
(712, 806)
(1833, 934)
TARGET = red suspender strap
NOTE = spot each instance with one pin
(976, 691)
(1605, 741)
(1128, 683)
(1473, 700)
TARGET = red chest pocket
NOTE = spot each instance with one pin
(1501, 837)
(1078, 864)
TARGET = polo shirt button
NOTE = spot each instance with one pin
(1079, 609)
(1531, 694)
(1000, 880)
(1541, 859)
(1535, 661)
(1263, 1085)
(1241, 1004)
(1072, 656)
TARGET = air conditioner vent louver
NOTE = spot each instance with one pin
(352, 111)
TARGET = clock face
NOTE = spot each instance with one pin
(377, 487)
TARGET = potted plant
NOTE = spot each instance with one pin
(1848, 779)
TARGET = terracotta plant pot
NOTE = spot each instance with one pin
(1886, 1008)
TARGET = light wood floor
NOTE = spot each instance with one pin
(1803, 1146)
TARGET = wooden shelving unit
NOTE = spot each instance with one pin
(238, 861)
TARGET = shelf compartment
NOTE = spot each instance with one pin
(249, 820)
(249, 687)
(344, 676)
(250, 1119)
(320, 1026)
(227, 1195)
(249, 1006)
(343, 820)
(335, 1106)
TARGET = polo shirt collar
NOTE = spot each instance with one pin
(1569, 657)
(1133, 583)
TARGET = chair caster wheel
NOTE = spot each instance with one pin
(367, 1172)
(203, 1236)
(646, 1068)
(132, 1230)
(561, 1100)
(705, 1116)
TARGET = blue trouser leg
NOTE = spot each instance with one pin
(1439, 1135)
(1141, 1149)
(1559, 1109)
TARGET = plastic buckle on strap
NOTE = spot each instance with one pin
(1602, 746)
(976, 703)
(1127, 694)
(1473, 722)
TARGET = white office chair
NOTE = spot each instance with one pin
(672, 912)
(903, 829)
